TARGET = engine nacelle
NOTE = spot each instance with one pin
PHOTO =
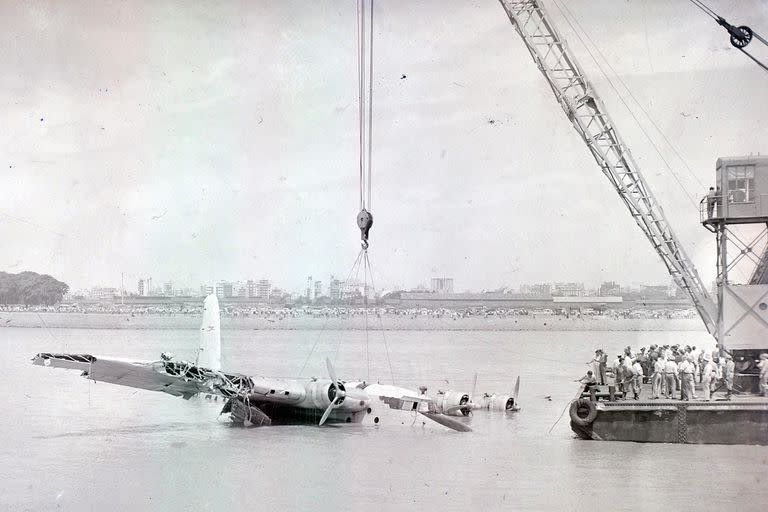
(319, 394)
(498, 403)
(451, 402)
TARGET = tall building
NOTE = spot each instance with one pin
(334, 289)
(263, 289)
(318, 289)
(206, 290)
(441, 285)
(168, 288)
(308, 291)
(141, 288)
(250, 287)
(223, 290)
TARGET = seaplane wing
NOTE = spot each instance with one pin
(176, 378)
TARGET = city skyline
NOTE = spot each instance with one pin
(229, 148)
(332, 288)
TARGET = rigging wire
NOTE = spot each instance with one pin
(365, 112)
(370, 105)
(317, 338)
(637, 102)
(693, 202)
(381, 324)
(360, 108)
(701, 5)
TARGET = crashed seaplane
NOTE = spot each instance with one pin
(257, 401)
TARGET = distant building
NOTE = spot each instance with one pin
(334, 289)
(308, 291)
(206, 290)
(168, 288)
(536, 290)
(318, 289)
(143, 287)
(223, 290)
(101, 293)
(250, 289)
(569, 290)
(441, 285)
(655, 291)
(263, 289)
(610, 289)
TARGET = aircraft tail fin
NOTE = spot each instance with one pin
(209, 351)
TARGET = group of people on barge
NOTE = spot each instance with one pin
(670, 369)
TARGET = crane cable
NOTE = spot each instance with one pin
(740, 36)
(365, 119)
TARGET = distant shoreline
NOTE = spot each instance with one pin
(59, 320)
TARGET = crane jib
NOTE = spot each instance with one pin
(588, 116)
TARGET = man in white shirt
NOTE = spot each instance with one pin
(657, 378)
(687, 370)
(637, 378)
(670, 378)
(707, 376)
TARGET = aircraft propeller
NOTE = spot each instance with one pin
(338, 395)
(517, 389)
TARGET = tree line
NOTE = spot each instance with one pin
(31, 289)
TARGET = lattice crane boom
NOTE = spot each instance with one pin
(588, 116)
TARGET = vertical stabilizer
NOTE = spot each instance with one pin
(209, 352)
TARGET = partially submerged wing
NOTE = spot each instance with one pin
(407, 400)
(176, 378)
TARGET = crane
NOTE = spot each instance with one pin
(588, 116)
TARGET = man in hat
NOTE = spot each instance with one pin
(595, 364)
(657, 378)
(637, 378)
(728, 372)
(686, 377)
(707, 376)
(603, 367)
(670, 378)
(711, 201)
(590, 385)
(763, 365)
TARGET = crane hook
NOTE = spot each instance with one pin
(364, 222)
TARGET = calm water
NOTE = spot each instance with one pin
(71, 444)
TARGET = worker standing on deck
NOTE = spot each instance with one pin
(763, 365)
(595, 364)
(707, 376)
(711, 201)
(670, 378)
(618, 373)
(637, 378)
(610, 380)
(657, 378)
(728, 373)
(687, 370)
(603, 367)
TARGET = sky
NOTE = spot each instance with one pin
(205, 141)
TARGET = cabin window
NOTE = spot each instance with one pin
(741, 183)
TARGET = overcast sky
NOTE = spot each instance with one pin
(198, 141)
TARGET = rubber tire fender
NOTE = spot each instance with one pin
(574, 412)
